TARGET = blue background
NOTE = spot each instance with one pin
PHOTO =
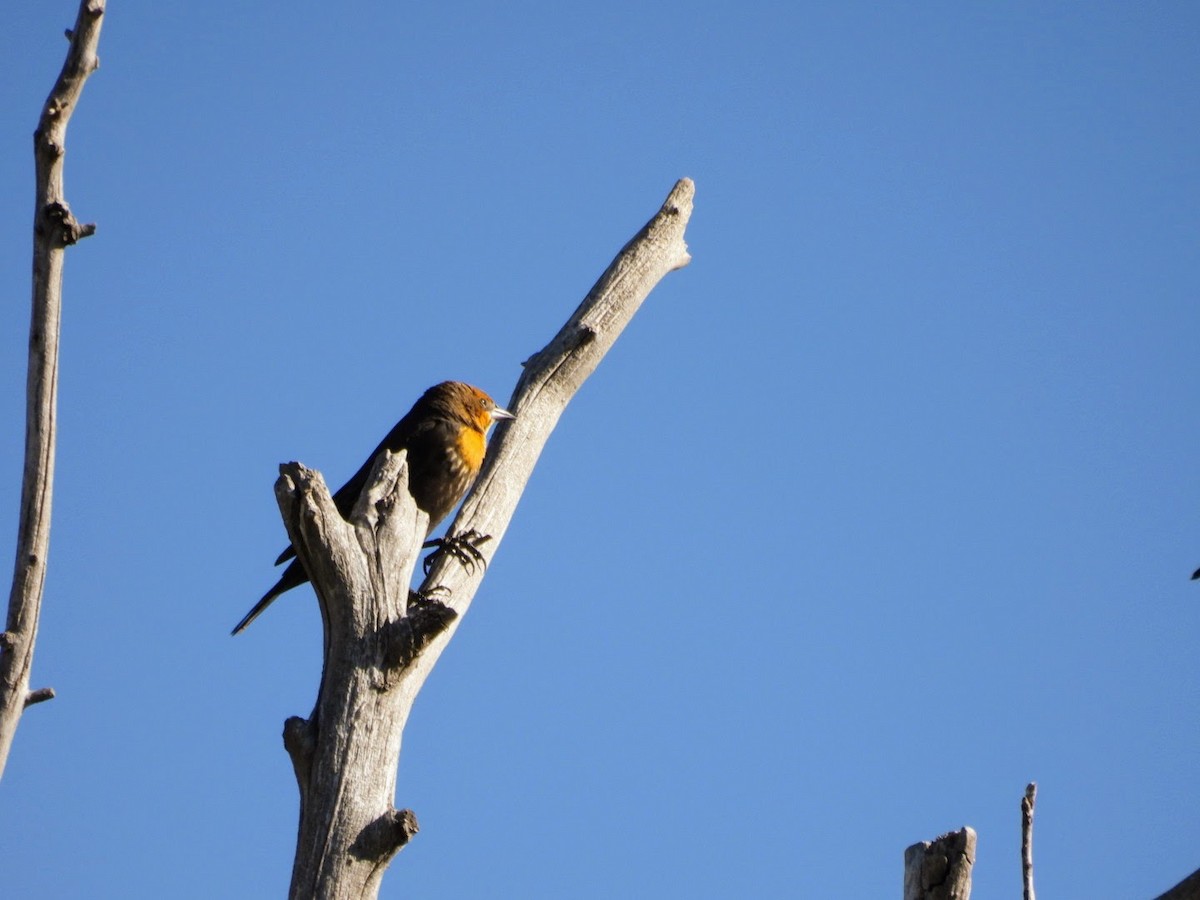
(883, 507)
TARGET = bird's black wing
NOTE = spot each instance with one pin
(347, 495)
(409, 430)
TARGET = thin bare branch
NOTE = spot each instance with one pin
(1027, 804)
(54, 229)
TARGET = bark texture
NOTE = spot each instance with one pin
(379, 645)
(54, 229)
(345, 753)
(940, 869)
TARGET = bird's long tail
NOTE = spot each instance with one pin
(293, 576)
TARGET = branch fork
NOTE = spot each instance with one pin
(344, 755)
(380, 646)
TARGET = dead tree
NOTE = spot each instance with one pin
(54, 229)
(940, 869)
(379, 645)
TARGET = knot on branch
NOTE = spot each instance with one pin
(584, 336)
(681, 199)
(405, 639)
(386, 836)
(300, 741)
(46, 146)
(55, 107)
(62, 227)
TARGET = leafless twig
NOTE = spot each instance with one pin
(1027, 803)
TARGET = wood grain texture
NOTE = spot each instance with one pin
(940, 869)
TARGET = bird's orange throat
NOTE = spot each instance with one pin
(472, 445)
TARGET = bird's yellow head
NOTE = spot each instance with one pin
(466, 403)
(473, 408)
(484, 409)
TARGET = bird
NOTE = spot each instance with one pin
(445, 434)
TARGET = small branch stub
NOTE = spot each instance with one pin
(61, 227)
(299, 741)
(386, 836)
(41, 695)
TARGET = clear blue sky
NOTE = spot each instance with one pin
(883, 507)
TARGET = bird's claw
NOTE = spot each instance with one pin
(463, 547)
(438, 594)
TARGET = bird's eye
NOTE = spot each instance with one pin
(483, 402)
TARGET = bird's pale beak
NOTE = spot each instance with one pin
(501, 413)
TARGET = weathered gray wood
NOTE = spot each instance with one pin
(940, 869)
(54, 229)
(1027, 804)
(345, 754)
(378, 649)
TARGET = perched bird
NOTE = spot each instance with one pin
(445, 435)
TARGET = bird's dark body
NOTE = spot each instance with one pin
(444, 435)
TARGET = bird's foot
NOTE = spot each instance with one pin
(433, 597)
(463, 547)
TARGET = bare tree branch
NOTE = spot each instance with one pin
(379, 646)
(54, 229)
(345, 754)
(551, 378)
(1027, 803)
